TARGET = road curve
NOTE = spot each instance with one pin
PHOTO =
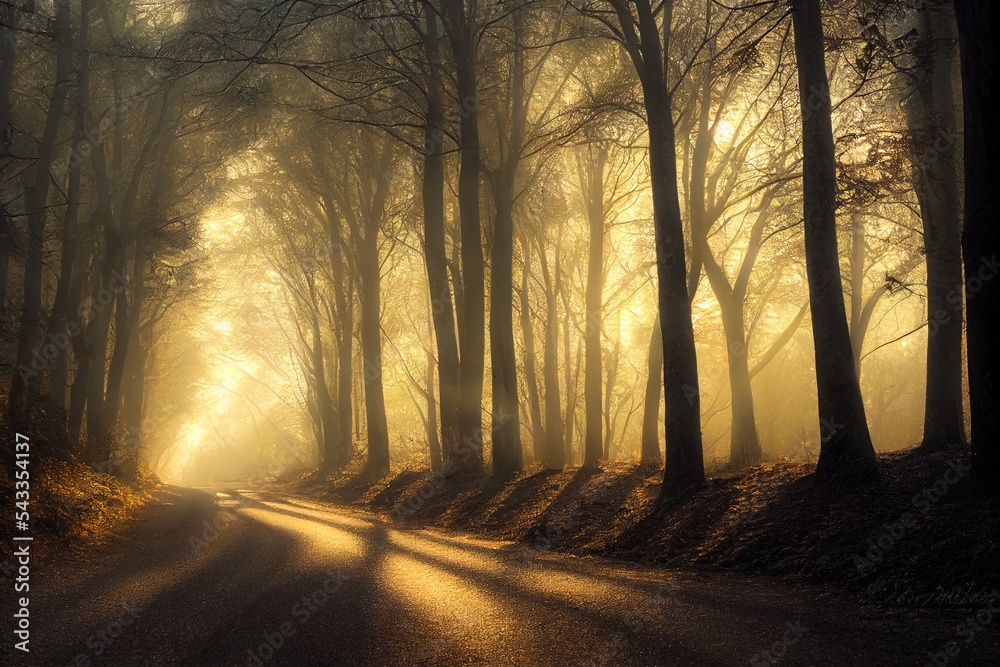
(234, 578)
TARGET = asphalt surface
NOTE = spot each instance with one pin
(231, 578)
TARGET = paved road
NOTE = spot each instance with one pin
(234, 578)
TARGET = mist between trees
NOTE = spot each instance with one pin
(245, 237)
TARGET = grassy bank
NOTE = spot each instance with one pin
(920, 536)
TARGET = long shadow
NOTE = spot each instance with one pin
(283, 601)
(257, 572)
(519, 498)
(514, 552)
(118, 583)
(501, 583)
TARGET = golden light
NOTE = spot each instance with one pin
(724, 132)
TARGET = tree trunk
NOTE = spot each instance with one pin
(981, 236)
(473, 331)
(530, 372)
(61, 325)
(592, 380)
(135, 355)
(433, 442)
(554, 454)
(134, 400)
(78, 389)
(935, 174)
(846, 448)
(329, 422)
(572, 375)
(506, 442)
(371, 347)
(684, 456)
(435, 256)
(744, 445)
(98, 329)
(6, 247)
(650, 452)
(28, 364)
(344, 300)
(345, 376)
(9, 16)
(857, 267)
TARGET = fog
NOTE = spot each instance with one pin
(290, 192)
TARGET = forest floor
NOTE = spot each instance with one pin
(919, 537)
(242, 575)
(72, 506)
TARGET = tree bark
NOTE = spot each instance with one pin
(343, 295)
(435, 257)
(846, 450)
(744, 445)
(650, 444)
(61, 324)
(9, 22)
(684, 456)
(464, 37)
(371, 339)
(329, 422)
(506, 440)
(530, 371)
(572, 381)
(553, 453)
(433, 441)
(981, 235)
(593, 173)
(35, 198)
(933, 125)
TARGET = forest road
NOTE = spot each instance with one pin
(234, 578)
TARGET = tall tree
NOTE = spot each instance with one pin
(684, 463)
(461, 20)
(977, 35)
(435, 255)
(932, 120)
(35, 198)
(846, 449)
(591, 165)
(506, 441)
(650, 443)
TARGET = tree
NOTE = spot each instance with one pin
(846, 449)
(461, 20)
(36, 192)
(981, 235)
(591, 167)
(684, 464)
(506, 430)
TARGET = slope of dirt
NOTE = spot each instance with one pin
(72, 506)
(920, 536)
